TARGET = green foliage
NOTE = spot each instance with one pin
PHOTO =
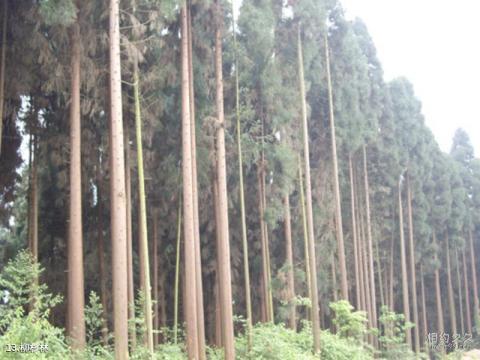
(349, 323)
(392, 338)
(58, 12)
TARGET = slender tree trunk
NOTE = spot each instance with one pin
(292, 318)
(476, 319)
(198, 257)
(155, 279)
(379, 272)
(218, 316)
(263, 293)
(246, 267)
(391, 268)
(309, 208)
(424, 306)
(117, 191)
(224, 249)
(2, 67)
(101, 252)
(190, 298)
(338, 201)
(33, 226)
(467, 293)
(177, 271)
(305, 234)
(438, 294)
(76, 301)
(360, 249)
(403, 261)
(218, 233)
(451, 300)
(412, 267)
(366, 281)
(128, 205)
(334, 277)
(145, 269)
(354, 234)
(459, 292)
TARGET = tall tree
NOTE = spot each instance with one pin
(2, 67)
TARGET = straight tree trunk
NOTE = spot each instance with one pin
(246, 267)
(218, 306)
(309, 208)
(2, 67)
(101, 252)
(198, 256)
(360, 249)
(459, 292)
(145, 270)
(128, 205)
(336, 185)
(424, 306)
(177, 271)
(476, 319)
(289, 261)
(117, 191)
(467, 293)
(224, 248)
(33, 226)
(190, 299)
(413, 274)
(366, 272)
(451, 300)
(334, 277)
(354, 234)
(391, 268)
(438, 294)
(155, 280)
(76, 301)
(403, 261)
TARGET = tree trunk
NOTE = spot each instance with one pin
(177, 271)
(459, 292)
(424, 307)
(476, 319)
(190, 298)
(246, 267)
(76, 301)
(224, 248)
(412, 267)
(334, 277)
(117, 191)
(354, 234)
(155, 279)
(366, 272)
(198, 256)
(391, 269)
(33, 225)
(2, 67)
(128, 205)
(360, 249)
(451, 300)
(338, 201)
(145, 269)
(292, 318)
(309, 208)
(467, 293)
(101, 252)
(438, 294)
(403, 261)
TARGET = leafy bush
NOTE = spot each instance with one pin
(349, 323)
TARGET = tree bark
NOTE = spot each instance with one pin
(476, 319)
(459, 292)
(2, 67)
(413, 274)
(117, 191)
(338, 201)
(438, 294)
(451, 300)
(403, 261)
(177, 271)
(309, 208)
(224, 248)
(424, 306)
(190, 298)
(156, 312)
(292, 321)
(76, 301)
(467, 293)
(354, 234)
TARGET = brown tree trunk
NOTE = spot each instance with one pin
(33, 206)
(391, 303)
(190, 299)
(198, 257)
(438, 294)
(292, 321)
(459, 292)
(338, 201)
(334, 277)
(224, 248)
(403, 262)
(413, 274)
(476, 319)
(76, 301)
(354, 234)
(156, 312)
(451, 300)
(308, 187)
(117, 191)
(361, 251)
(424, 306)
(467, 293)
(2, 67)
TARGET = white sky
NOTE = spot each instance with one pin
(436, 45)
